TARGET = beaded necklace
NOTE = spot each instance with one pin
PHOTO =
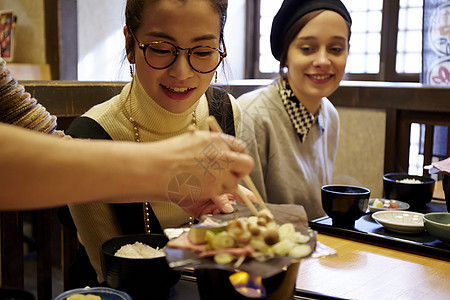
(137, 138)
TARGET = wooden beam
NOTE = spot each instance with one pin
(52, 36)
(61, 38)
(68, 39)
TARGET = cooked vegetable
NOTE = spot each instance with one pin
(254, 229)
(260, 234)
(223, 240)
(377, 203)
(262, 221)
(300, 251)
(223, 258)
(286, 230)
(197, 233)
(283, 247)
(244, 238)
(271, 236)
(298, 238)
(260, 245)
(393, 205)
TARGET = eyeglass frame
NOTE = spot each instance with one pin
(143, 47)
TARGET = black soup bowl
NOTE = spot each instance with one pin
(141, 278)
(415, 190)
(345, 204)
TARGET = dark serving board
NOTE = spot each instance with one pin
(368, 230)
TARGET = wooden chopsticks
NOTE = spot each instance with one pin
(247, 201)
(215, 127)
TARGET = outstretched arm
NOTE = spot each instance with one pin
(39, 171)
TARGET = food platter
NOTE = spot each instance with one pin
(182, 257)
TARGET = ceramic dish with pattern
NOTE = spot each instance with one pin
(400, 221)
(379, 204)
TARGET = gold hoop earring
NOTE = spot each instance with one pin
(131, 71)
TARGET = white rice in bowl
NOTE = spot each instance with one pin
(139, 250)
(410, 180)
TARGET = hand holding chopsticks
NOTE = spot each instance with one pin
(214, 126)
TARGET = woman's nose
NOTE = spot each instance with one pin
(181, 69)
(322, 58)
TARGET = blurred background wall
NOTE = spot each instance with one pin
(99, 39)
(29, 30)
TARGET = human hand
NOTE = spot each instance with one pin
(224, 202)
(207, 164)
(218, 204)
(215, 205)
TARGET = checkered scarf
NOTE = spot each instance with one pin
(301, 118)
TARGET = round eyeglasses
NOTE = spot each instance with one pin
(161, 55)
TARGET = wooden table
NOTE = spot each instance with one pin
(364, 271)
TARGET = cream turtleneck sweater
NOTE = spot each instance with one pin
(154, 124)
(96, 222)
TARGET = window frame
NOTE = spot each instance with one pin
(389, 30)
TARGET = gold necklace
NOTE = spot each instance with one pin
(137, 137)
(146, 205)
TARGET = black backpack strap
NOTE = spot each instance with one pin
(87, 128)
(130, 224)
(219, 104)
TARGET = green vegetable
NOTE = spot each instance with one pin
(223, 240)
(197, 234)
(299, 238)
(286, 230)
(300, 251)
(223, 258)
(259, 245)
(283, 247)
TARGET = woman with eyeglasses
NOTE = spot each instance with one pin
(290, 126)
(174, 48)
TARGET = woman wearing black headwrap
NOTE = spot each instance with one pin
(290, 127)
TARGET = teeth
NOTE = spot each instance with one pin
(320, 77)
(178, 90)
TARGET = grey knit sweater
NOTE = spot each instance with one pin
(286, 170)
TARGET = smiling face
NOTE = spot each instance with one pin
(316, 58)
(185, 24)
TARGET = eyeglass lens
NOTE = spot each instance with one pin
(203, 59)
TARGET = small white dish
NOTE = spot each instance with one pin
(400, 221)
(386, 205)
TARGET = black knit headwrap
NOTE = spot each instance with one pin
(292, 10)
